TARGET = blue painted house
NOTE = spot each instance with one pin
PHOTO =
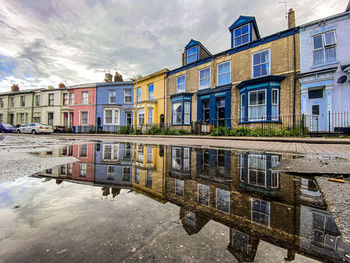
(113, 164)
(114, 104)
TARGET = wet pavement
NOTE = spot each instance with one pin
(131, 202)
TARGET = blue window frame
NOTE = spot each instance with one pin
(150, 91)
(181, 109)
(192, 54)
(181, 84)
(241, 36)
(224, 73)
(204, 78)
(261, 63)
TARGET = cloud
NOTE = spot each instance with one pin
(47, 41)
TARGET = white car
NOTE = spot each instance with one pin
(34, 128)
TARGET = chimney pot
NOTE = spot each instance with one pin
(108, 77)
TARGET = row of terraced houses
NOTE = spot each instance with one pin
(298, 74)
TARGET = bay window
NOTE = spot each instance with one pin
(224, 73)
(261, 63)
(177, 113)
(111, 117)
(141, 116)
(274, 104)
(257, 105)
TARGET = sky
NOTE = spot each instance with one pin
(45, 42)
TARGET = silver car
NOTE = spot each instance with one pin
(34, 128)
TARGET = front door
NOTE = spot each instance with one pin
(220, 112)
(50, 118)
(317, 110)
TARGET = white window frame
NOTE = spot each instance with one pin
(112, 94)
(126, 173)
(83, 150)
(186, 161)
(249, 106)
(174, 115)
(150, 116)
(178, 186)
(242, 106)
(257, 157)
(127, 95)
(51, 103)
(207, 188)
(195, 54)
(324, 47)
(177, 84)
(23, 100)
(72, 98)
(199, 77)
(110, 174)
(81, 119)
(234, 37)
(275, 118)
(115, 148)
(229, 72)
(187, 113)
(229, 201)
(269, 63)
(115, 114)
(142, 110)
(65, 99)
(84, 100)
(83, 170)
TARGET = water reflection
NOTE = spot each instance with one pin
(236, 189)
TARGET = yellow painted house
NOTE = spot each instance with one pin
(150, 99)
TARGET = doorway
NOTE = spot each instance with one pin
(317, 110)
(220, 112)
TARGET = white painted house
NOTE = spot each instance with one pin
(325, 72)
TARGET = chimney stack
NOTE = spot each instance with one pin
(14, 88)
(118, 77)
(108, 77)
(291, 18)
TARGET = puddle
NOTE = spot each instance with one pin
(155, 203)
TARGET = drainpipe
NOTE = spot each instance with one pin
(294, 79)
(164, 99)
(32, 109)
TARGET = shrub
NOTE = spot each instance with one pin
(154, 130)
(220, 131)
(136, 132)
(125, 130)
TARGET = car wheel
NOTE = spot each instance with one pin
(18, 131)
(33, 131)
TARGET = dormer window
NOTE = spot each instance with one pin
(241, 36)
(192, 54)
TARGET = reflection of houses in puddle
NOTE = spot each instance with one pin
(148, 171)
(253, 201)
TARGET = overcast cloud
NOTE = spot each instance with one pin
(45, 42)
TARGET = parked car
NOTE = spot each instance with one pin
(4, 127)
(35, 128)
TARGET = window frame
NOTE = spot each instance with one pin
(258, 105)
(187, 115)
(194, 54)
(179, 188)
(72, 99)
(37, 100)
(114, 115)
(269, 63)
(85, 100)
(126, 96)
(240, 36)
(207, 188)
(23, 100)
(276, 105)
(51, 99)
(150, 94)
(81, 118)
(177, 84)
(112, 95)
(218, 75)
(199, 78)
(324, 47)
(216, 200)
(150, 116)
(174, 115)
(138, 116)
(138, 94)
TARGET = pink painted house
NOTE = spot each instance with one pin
(82, 113)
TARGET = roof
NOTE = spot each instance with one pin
(325, 19)
(119, 83)
(21, 91)
(242, 20)
(154, 74)
(193, 43)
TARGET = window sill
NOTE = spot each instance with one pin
(325, 64)
(224, 85)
